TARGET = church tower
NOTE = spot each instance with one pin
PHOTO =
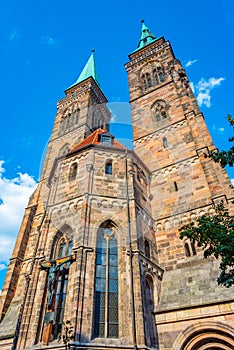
(98, 261)
(171, 137)
(85, 254)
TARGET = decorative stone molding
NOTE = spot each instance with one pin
(147, 53)
(202, 332)
(148, 266)
(181, 219)
(158, 134)
(190, 162)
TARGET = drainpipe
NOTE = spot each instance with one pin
(130, 255)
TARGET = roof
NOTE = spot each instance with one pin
(95, 139)
(146, 38)
(89, 70)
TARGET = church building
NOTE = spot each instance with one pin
(98, 261)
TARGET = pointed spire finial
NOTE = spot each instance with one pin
(146, 38)
(89, 70)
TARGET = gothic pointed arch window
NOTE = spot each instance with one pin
(106, 323)
(57, 280)
(160, 110)
(151, 75)
(158, 75)
(144, 81)
(155, 75)
(149, 80)
(161, 74)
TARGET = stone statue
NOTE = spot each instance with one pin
(53, 266)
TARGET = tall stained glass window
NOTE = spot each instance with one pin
(64, 249)
(106, 285)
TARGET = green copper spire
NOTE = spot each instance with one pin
(89, 70)
(147, 37)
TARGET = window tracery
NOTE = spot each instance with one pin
(106, 284)
(160, 110)
(69, 119)
(151, 75)
(61, 257)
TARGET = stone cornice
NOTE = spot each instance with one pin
(81, 89)
(147, 52)
(166, 129)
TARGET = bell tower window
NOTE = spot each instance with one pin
(152, 75)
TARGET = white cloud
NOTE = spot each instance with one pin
(48, 40)
(192, 86)
(232, 181)
(218, 130)
(190, 63)
(2, 170)
(203, 90)
(14, 194)
(3, 266)
(14, 35)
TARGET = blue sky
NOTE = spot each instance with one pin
(44, 46)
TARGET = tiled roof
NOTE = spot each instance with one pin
(94, 139)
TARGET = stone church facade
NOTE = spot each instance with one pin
(99, 244)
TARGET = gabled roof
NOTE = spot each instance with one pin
(88, 71)
(95, 139)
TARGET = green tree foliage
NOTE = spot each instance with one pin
(224, 157)
(215, 235)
